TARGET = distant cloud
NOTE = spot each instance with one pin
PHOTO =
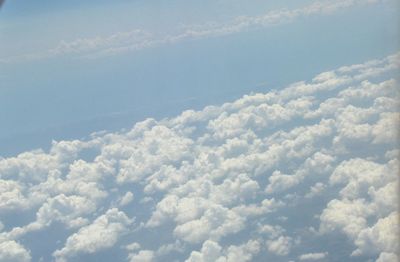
(142, 256)
(280, 246)
(313, 256)
(212, 251)
(227, 183)
(138, 39)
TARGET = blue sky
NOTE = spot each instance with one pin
(55, 96)
(215, 130)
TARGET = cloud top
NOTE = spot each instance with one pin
(256, 178)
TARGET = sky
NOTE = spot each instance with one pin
(223, 130)
(69, 68)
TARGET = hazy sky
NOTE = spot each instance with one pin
(199, 131)
(68, 68)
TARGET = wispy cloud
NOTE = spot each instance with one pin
(138, 39)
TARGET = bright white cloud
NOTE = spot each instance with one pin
(12, 251)
(142, 256)
(126, 199)
(220, 180)
(103, 233)
(280, 246)
(212, 251)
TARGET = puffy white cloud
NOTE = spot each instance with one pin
(359, 175)
(347, 215)
(142, 256)
(278, 243)
(126, 199)
(212, 251)
(388, 257)
(226, 173)
(368, 210)
(386, 129)
(133, 246)
(11, 251)
(177, 246)
(280, 246)
(209, 251)
(244, 252)
(272, 232)
(28, 167)
(383, 236)
(66, 209)
(318, 164)
(279, 182)
(216, 222)
(12, 195)
(103, 233)
(157, 146)
(315, 190)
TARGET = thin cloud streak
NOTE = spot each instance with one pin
(137, 39)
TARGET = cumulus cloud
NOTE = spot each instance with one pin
(217, 183)
(12, 251)
(280, 246)
(315, 190)
(212, 251)
(126, 199)
(142, 256)
(369, 195)
(102, 233)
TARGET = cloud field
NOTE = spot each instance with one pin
(304, 173)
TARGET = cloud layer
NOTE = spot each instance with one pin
(259, 178)
(137, 38)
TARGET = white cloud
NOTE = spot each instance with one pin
(279, 182)
(209, 178)
(166, 249)
(244, 252)
(280, 246)
(28, 167)
(212, 251)
(11, 251)
(388, 257)
(138, 39)
(133, 246)
(317, 164)
(103, 233)
(359, 175)
(278, 243)
(126, 199)
(315, 190)
(142, 256)
(216, 222)
(368, 210)
(12, 195)
(313, 256)
(383, 236)
(66, 209)
(209, 251)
